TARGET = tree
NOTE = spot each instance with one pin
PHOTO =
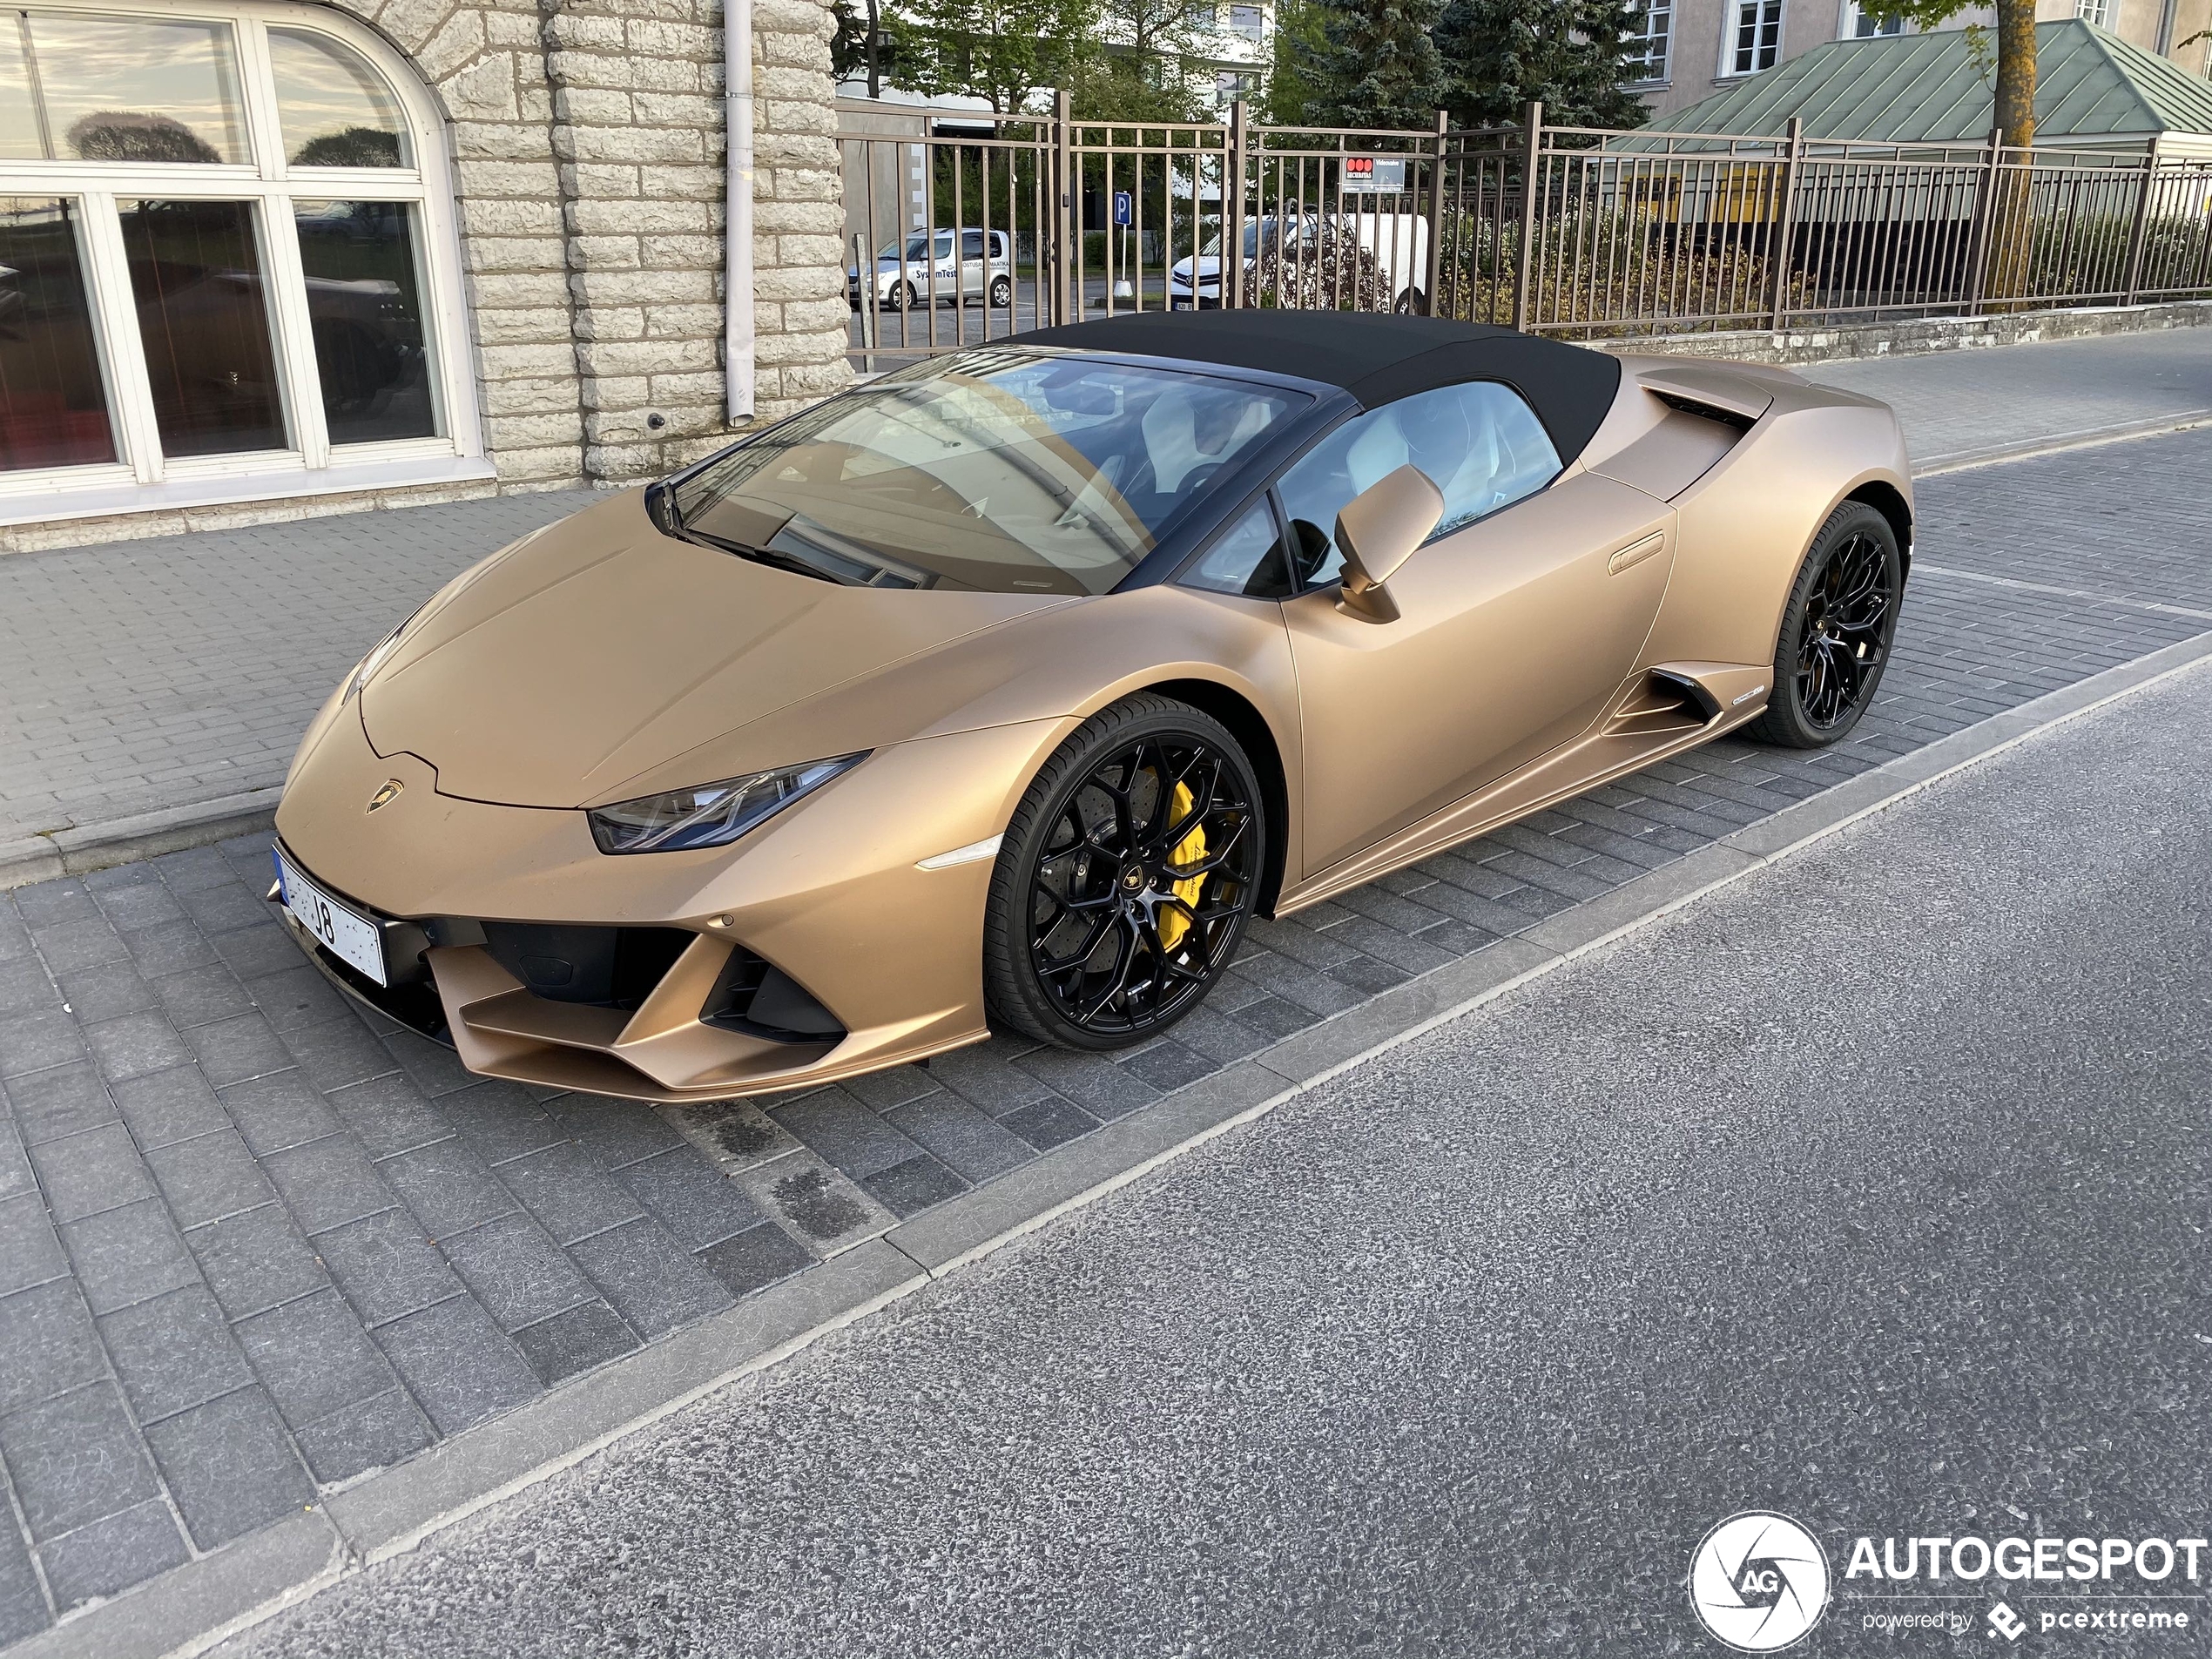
(1292, 91)
(861, 45)
(129, 135)
(1572, 54)
(2015, 53)
(1003, 52)
(1378, 65)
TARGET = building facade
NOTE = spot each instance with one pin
(1694, 48)
(264, 259)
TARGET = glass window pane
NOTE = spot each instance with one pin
(367, 313)
(133, 88)
(1247, 558)
(53, 408)
(204, 317)
(1479, 444)
(19, 136)
(336, 110)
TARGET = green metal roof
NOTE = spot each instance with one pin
(1927, 89)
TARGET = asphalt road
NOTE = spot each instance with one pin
(1872, 1190)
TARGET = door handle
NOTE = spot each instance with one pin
(1635, 552)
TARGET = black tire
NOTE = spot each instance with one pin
(1002, 293)
(902, 297)
(1837, 631)
(1087, 877)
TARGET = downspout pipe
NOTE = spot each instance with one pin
(739, 347)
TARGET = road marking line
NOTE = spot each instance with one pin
(1921, 567)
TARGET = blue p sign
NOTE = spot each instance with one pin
(1121, 208)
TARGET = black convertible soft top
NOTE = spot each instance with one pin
(1377, 358)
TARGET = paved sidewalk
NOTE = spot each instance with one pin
(150, 675)
(254, 1244)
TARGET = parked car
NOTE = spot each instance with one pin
(921, 270)
(1399, 243)
(1006, 690)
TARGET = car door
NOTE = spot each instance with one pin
(1518, 621)
(975, 273)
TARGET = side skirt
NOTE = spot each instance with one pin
(1632, 737)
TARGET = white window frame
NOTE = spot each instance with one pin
(1664, 71)
(2096, 12)
(143, 477)
(1732, 28)
(1849, 15)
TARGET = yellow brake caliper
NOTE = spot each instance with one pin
(1174, 923)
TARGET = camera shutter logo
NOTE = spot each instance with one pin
(1758, 1582)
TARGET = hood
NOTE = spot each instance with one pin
(599, 649)
(1209, 268)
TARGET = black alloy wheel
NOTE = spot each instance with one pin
(1125, 878)
(1837, 631)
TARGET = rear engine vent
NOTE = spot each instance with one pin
(1735, 418)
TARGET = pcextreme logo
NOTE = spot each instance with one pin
(1759, 1582)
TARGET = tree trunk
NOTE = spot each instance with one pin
(2016, 70)
(2012, 224)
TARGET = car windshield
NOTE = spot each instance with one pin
(1001, 471)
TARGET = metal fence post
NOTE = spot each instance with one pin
(2140, 232)
(1432, 277)
(1985, 221)
(1782, 249)
(1229, 279)
(1524, 263)
(1065, 306)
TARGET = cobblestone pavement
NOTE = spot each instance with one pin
(253, 1244)
(1957, 403)
(151, 674)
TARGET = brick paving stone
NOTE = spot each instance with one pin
(447, 1186)
(96, 995)
(515, 1269)
(575, 1341)
(568, 1193)
(966, 1139)
(369, 1434)
(122, 1256)
(61, 1100)
(30, 1251)
(278, 1111)
(314, 1357)
(74, 1458)
(230, 1466)
(256, 1260)
(328, 1183)
(209, 1177)
(458, 1365)
(173, 1353)
(848, 1134)
(755, 1258)
(22, 1602)
(113, 1553)
(233, 1050)
(648, 1277)
(910, 1187)
(691, 1197)
(92, 1170)
(385, 1267)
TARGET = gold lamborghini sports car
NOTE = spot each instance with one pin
(1005, 688)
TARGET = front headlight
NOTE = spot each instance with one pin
(377, 659)
(712, 814)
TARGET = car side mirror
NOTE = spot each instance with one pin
(1378, 531)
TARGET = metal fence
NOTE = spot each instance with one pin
(963, 228)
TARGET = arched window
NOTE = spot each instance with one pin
(228, 262)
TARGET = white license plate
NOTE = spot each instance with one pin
(353, 939)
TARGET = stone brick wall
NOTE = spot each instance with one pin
(587, 141)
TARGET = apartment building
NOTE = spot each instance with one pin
(1692, 49)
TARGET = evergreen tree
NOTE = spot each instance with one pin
(1572, 54)
(1378, 67)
